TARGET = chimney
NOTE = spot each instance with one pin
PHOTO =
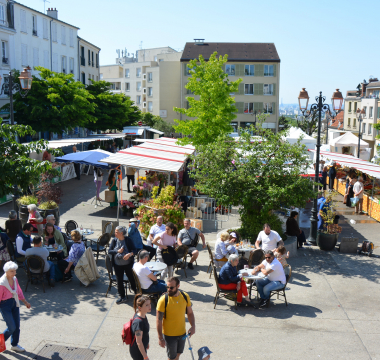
(364, 87)
(52, 13)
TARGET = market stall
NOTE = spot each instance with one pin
(348, 144)
(296, 134)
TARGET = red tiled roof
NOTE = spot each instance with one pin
(335, 123)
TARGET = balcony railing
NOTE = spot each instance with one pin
(34, 32)
(82, 61)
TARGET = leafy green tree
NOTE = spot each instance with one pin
(213, 108)
(310, 124)
(284, 123)
(112, 111)
(259, 176)
(149, 119)
(55, 103)
(17, 168)
(164, 126)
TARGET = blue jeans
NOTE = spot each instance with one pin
(160, 287)
(265, 286)
(52, 270)
(11, 316)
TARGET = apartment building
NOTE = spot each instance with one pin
(88, 62)
(151, 79)
(352, 102)
(258, 64)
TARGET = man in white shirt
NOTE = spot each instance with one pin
(156, 229)
(146, 277)
(274, 279)
(358, 192)
(268, 238)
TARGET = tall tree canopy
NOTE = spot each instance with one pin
(213, 108)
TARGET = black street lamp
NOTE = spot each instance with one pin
(23, 88)
(303, 100)
(359, 116)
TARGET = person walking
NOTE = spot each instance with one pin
(324, 177)
(130, 178)
(98, 180)
(76, 165)
(332, 176)
(358, 192)
(10, 296)
(112, 185)
(123, 251)
(170, 319)
(140, 328)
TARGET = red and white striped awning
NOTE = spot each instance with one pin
(161, 154)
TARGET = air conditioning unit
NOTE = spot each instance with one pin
(144, 76)
(144, 105)
(144, 90)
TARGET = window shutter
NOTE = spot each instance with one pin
(71, 38)
(274, 89)
(54, 31)
(185, 69)
(55, 62)
(239, 69)
(45, 29)
(2, 15)
(36, 60)
(274, 108)
(63, 35)
(240, 107)
(258, 106)
(241, 89)
(46, 59)
(23, 20)
(274, 70)
(259, 70)
(258, 89)
(24, 54)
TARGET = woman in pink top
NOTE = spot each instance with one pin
(10, 296)
(163, 240)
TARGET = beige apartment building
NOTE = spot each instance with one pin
(258, 64)
(88, 62)
(151, 79)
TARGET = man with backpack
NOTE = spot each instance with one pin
(171, 325)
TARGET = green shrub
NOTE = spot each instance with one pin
(27, 200)
(48, 205)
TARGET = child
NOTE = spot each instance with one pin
(204, 353)
(281, 256)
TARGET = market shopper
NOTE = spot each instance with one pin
(130, 177)
(358, 192)
(324, 177)
(98, 180)
(4, 255)
(350, 190)
(158, 228)
(112, 185)
(10, 296)
(332, 176)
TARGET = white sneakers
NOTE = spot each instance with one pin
(17, 348)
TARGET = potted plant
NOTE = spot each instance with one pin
(328, 237)
(23, 203)
(49, 195)
(127, 207)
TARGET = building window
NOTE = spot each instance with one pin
(150, 105)
(23, 20)
(155, 58)
(355, 106)
(71, 38)
(349, 106)
(150, 77)
(34, 23)
(138, 99)
(24, 55)
(248, 89)
(92, 59)
(89, 77)
(376, 93)
(71, 65)
(230, 69)
(2, 15)
(150, 91)
(365, 111)
(63, 35)
(127, 87)
(127, 73)
(268, 70)
(371, 112)
(249, 70)
(45, 29)
(4, 52)
(64, 64)
(354, 125)
(54, 31)
(83, 78)
(93, 77)
(138, 72)
(248, 108)
(364, 128)
(268, 108)
(369, 129)
(97, 60)
(138, 86)
(234, 126)
(268, 89)
(97, 78)
(89, 57)
(349, 122)
(101, 76)
(82, 58)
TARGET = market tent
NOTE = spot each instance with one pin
(90, 157)
(165, 141)
(348, 139)
(296, 133)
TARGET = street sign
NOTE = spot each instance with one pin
(140, 123)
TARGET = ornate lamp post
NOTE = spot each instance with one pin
(359, 116)
(303, 101)
(23, 88)
(336, 101)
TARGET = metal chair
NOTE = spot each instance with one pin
(229, 294)
(281, 292)
(211, 259)
(100, 244)
(112, 277)
(12, 254)
(182, 261)
(36, 263)
(153, 296)
(108, 227)
(69, 227)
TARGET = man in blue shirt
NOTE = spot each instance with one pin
(135, 235)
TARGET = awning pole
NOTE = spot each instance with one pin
(177, 183)
(118, 200)
(169, 178)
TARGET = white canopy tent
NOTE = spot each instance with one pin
(295, 134)
(348, 139)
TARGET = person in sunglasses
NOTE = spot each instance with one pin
(274, 279)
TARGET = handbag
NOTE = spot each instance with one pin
(2, 343)
(194, 242)
(109, 196)
(169, 255)
(354, 201)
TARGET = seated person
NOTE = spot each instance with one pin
(3, 248)
(23, 242)
(53, 236)
(274, 279)
(134, 234)
(281, 255)
(268, 238)
(146, 277)
(76, 252)
(229, 279)
(292, 229)
(221, 250)
(13, 226)
(43, 253)
(35, 219)
(50, 219)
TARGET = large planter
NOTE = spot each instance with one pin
(23, 214)
(327, 242)
(54, 212)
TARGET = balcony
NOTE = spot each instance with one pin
(5, 61)
(34, 32)
(82, 61)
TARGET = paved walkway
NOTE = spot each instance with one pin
(333, 311)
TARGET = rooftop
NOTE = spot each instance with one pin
(235, 51)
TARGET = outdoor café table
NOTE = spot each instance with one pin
(85, 232)
(244, 251)
(251, 278)
(52, 250)
(156, 266)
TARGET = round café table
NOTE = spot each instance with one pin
(156, 266)
(251, 278)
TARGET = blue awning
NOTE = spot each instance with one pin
(90, 157)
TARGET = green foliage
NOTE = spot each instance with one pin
(286, 123)
(48, 205)
(55, 102)
(308, 125)
(15, 164)
(254, 175)
(112, 111)
(156, 122)
(213, 108)
(27, 200)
